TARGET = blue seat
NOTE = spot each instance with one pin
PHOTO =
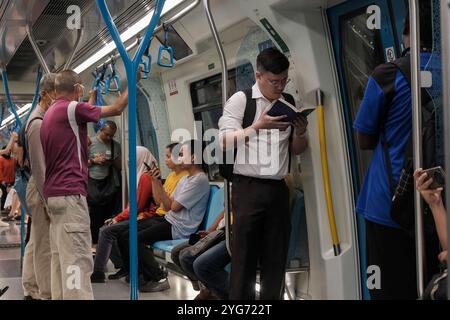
(298, 253)
(213, 209)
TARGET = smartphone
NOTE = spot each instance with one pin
(147, 166)
(438, 175)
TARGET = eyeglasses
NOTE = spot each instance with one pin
(277, 83)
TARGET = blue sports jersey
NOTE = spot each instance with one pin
(374, 200)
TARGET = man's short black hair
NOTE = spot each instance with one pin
(171, 146)
(272, 60)
(111, 124)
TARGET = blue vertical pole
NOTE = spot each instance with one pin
(36, 94)
(131, 68)
(8, 97)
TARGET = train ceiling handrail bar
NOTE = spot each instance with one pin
(167, 22)
(417, 137)
(74, 51)
(131, 69)
(223, 63)
(445, 25)
(36, 49)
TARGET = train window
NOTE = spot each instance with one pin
(206, 97)
(361, 52)
(180, 48)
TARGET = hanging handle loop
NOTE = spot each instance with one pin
(165, 54)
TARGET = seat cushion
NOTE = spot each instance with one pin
(168, 245)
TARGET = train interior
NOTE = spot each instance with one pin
(329, 47)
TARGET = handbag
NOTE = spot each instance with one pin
(101, 192)
(207, 242)
(437, 288)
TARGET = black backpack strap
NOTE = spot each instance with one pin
(24, 140)
(385, 75)
(289, 98)
(250, 109)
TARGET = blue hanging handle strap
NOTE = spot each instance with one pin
(146, 63)
(36, 94)
(113, 77)
(165, 49)
(131, 68)
(2, 113)
(98, 85)
(99, 78)
(8, 98)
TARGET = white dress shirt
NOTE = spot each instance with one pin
(265, 155)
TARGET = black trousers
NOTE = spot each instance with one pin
(393, 251)
(149, 230)
(3, 187)
(98, 215)
(261, 230)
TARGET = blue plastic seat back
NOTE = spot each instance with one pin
(298, 253)
(214, 208)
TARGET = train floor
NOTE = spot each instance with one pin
(10, 275)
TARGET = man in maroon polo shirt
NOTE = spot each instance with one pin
(64, 142)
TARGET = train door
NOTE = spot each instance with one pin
(365, 33)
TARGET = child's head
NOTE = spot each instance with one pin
(190, 154)
(170, 160)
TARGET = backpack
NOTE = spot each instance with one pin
(226, 169)
(403, 208)
(437, 287)
(23, 173)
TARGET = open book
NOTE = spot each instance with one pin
(282, 107)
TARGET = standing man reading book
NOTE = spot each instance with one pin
(260, 197)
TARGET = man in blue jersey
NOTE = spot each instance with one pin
(384, 122)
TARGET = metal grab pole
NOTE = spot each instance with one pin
(223, 63)
(445, 39)
(417, 137)
(72, 55)
(36, 49)
(131, 68)
(325, 174)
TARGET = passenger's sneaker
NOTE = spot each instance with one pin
(205, 294)
(195, 285)
(152, 286)
(119, 274)
(98, 277)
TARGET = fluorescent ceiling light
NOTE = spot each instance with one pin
(21, 112)
(126, 35)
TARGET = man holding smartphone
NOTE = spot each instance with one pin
(103, 166)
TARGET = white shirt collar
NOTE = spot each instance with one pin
(256, 92)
